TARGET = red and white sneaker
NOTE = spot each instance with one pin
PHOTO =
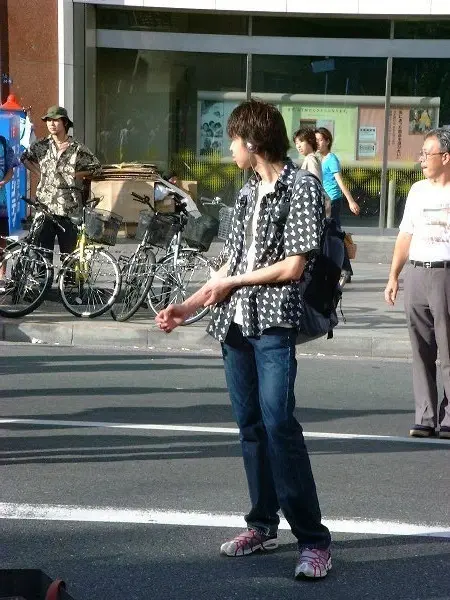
(247, 542)
(313, 563)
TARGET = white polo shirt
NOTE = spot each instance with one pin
(427, 218)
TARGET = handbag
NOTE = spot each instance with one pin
(350, 246)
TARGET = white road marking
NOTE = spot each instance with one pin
(225, 430)
(49, 512)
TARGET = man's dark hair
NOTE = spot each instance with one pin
(326, 133)
(66, 124)
(442, 135)
(306, 134)
(261, 125)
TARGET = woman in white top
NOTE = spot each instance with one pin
(306, 144)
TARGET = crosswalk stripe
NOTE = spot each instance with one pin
(224, 430)
(50, 512)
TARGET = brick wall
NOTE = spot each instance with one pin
(33, 55)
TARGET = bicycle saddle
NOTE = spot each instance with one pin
(76, 220)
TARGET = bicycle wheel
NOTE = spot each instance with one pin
(28, 276)
(137, 276)
(90, 285)
(172, 284)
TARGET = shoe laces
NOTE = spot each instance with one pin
(250, 537)
(315, 557)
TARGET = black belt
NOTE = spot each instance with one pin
(438, 264)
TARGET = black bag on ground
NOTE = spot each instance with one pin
(321, 289)
(199, 232)
(31, 584)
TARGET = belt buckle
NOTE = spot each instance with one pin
(427, 265)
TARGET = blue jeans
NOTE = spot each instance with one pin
(260, 373)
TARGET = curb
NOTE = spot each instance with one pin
(189, 339)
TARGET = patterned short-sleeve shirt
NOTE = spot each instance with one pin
(57, 187)
(290, 222)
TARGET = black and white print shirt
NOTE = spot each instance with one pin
(290, 222)
(58, 188)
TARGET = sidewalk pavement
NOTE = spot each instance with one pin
(372, 328)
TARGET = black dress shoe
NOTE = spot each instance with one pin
(422, 431)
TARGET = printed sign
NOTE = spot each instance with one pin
(367, 134)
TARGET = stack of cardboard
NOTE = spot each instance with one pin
(116, 182)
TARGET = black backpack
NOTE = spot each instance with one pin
(320, 286)
(321, 290)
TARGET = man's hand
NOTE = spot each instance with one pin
(390, 293)
(354, 207)
(171, 317)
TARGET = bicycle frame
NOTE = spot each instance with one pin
(83, 244)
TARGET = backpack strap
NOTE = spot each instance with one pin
(303, 172)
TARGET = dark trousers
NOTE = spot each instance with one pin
(336, 207)
(260, 374)
(427, 308)
(67, 239)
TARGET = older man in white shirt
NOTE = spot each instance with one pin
(424, 239)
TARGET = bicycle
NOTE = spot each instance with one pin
(29, 273)
(137, 272)
(177, 274)
(89, 278)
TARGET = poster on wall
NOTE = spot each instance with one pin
(341, 121)
(211, 127)
(420, 121)
(357, 129)
(212, 138)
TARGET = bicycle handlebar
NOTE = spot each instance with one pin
(212, 202)
(146, 200)
(42, 207)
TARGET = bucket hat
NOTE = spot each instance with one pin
(57, 112)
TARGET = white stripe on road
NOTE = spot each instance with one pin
(48, 512)
(226, 430)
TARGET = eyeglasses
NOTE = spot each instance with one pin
(426, 155)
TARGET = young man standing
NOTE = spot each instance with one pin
(277, 225)
(424, 239)
(61, 163)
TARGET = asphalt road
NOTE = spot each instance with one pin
(121, 472)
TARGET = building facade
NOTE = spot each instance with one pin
(155, 80)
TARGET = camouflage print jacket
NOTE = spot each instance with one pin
(57, 187)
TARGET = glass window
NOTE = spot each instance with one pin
(168, 108)
(344, 95)
(320, 27)
(177, 22)
(423, 30)
(425, 84)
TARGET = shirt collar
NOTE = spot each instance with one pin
(284, 178)
(69, 139)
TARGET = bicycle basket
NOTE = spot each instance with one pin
(145, 217)
(200, 232)
(160, 227)
(102, 226)
(225, 220)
